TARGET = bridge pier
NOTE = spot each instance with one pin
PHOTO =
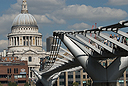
(95, 70)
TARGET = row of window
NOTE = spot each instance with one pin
(19, 76)
(9, 59)
(15, 70)
(71, 76)
(5, 76)
(9, 69)
(15, 76)
(69, 83)
(20, 29)
(6, 82)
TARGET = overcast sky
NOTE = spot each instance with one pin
(54, 15)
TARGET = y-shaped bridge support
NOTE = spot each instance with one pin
(100, 75)
(87, 54)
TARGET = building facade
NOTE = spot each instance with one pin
(13, 71)
(68, 78)
(49, 42)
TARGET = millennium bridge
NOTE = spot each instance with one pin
(85, 49)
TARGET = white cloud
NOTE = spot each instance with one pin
(44, 45)
(59, 21)
(56, 20)
(40, 9)
(88, 13)
(38, 6)
(118, 2)
(79, 26)
(55, 11)
(42, 19)
(3, 44)
(44, 6)
(6, 21)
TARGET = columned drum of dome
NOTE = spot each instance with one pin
(24, 32)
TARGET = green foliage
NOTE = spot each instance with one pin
(88, 83)
(12, 84)
(26, 84)
(1, 84)
(75, 84)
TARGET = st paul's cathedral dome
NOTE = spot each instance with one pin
(24, 32)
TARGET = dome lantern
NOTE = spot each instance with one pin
(24, 7)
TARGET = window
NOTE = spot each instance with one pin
(15, 70)
(15, 76)
(22, 76)
(3, 76)
(9, 58)
(24, 6)
(21, 81)
(84, 76)
(27, 42)
(62, 83)
(78, 82)
(36, 41)
(19, 76)
(24, 40)
(30, 74)
(30, 40)
(77, 76)
(70, 76)
(70, 83)
(88, 76)
(18, 40)
(9, 70)
(4, 82)
(15, 40)
(30, 59)
(61, 77)
(5, 59)
(9, 76)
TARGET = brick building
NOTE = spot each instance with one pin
(13, 71)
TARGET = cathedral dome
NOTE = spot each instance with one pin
(24, 19)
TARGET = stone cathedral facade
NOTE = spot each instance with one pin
(24, 41)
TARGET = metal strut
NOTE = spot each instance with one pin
(56, 43)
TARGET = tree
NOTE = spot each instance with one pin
(12, 84)
(75, 84)
(26, 84)
(1, 84)
(88, 82)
